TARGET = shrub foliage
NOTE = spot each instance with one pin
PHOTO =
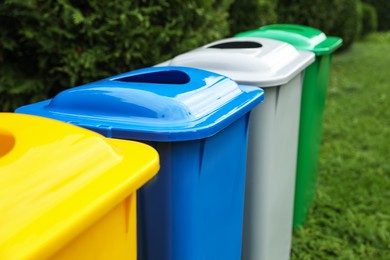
(47, 46)
(250, 14)
(369, 19)
(383, 8)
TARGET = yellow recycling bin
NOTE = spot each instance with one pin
(67, 192)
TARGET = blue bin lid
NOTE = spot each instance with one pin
(153, 104)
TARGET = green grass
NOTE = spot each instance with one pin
(350, 218)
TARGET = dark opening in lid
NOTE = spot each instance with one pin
(159, 77)
(237, 45)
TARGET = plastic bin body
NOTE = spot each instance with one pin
(203, 181)
(273, 135)
(312, 105)
(198, 123)
(68, 193)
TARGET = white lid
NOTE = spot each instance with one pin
(248, 60)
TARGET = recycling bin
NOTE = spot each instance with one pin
(312, 104)
(273, 133)
(197, 121)
(67, 192)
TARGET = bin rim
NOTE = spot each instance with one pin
(330, 45)
(221, 103)
(300, 36)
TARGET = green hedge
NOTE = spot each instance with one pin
(383, 10)
(47, 46)
(250, 14)
(334, 17)
(369, 19)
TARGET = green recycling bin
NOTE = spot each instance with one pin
(312, 103)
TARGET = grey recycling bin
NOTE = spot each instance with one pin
(273, 133)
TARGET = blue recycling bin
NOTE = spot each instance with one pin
(197, 121)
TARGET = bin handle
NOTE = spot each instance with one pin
(7, 142)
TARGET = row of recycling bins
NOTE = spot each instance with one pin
(233, 129)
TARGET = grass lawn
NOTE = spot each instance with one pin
(350, 218)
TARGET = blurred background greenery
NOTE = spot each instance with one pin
(48, 46)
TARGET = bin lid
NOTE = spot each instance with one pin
(57, 179)
(153, 104)
(301, 37)
(248, 60)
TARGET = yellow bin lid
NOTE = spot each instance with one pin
(57, 179)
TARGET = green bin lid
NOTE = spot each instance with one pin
(301, 37)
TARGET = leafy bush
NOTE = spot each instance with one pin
(250, 14)
(47, 46)
(369, 19)
(382, 8)
(333, 17)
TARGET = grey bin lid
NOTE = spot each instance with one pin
(248, 60)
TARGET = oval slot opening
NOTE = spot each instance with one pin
(159, 77)
(237, 45)
(7, 141)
